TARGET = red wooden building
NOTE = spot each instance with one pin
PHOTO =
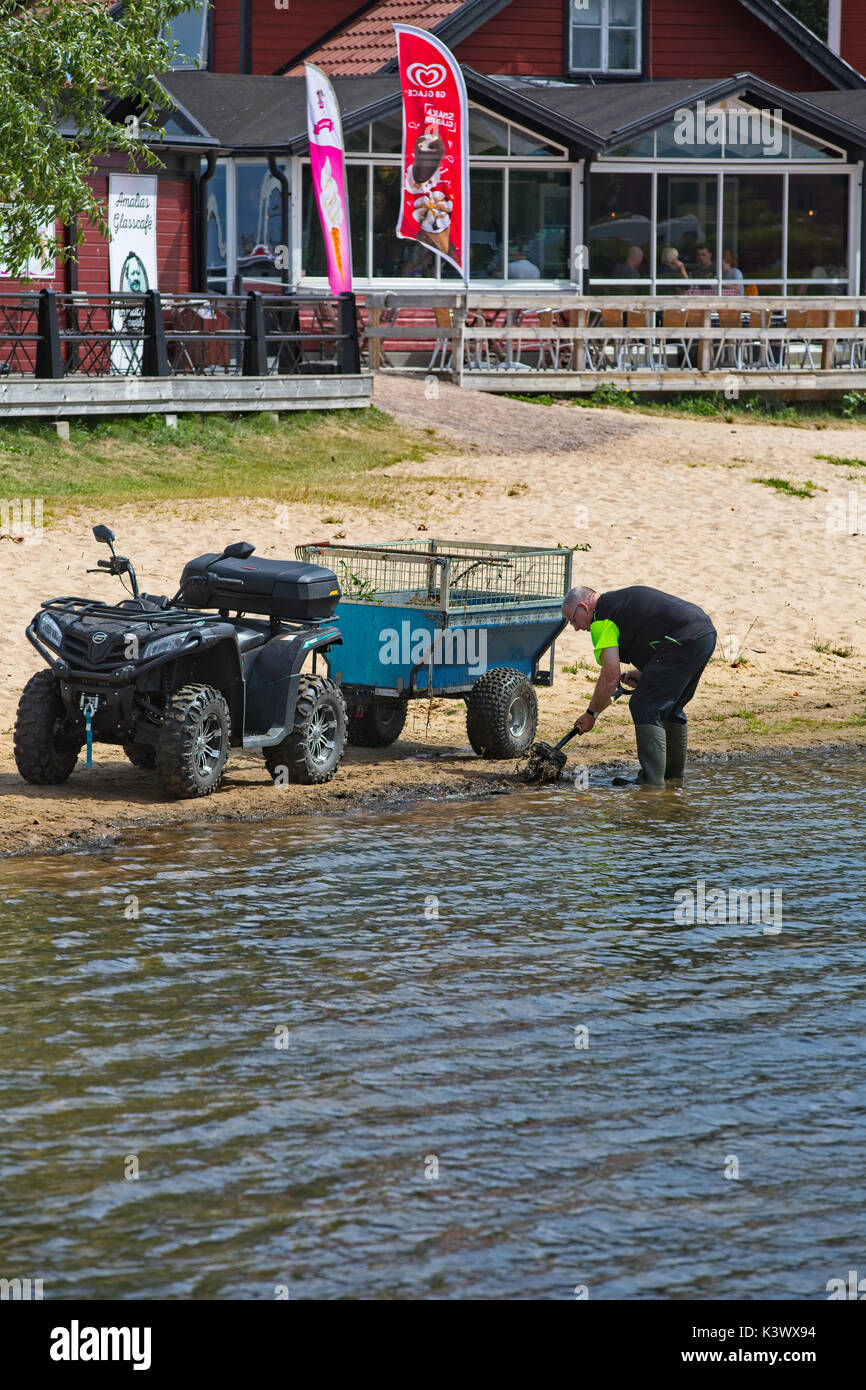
(576, 161)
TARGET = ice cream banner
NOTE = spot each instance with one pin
(435, 209)
(328, 167)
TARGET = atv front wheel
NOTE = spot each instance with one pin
(312, 752)
(46, 749)
(501, 714)
(192, 745)
(141, 754)
(377, 726)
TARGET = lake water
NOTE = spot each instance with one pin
(456, 1051)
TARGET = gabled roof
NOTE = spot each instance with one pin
(365, 42)
(837, 72)
(269, 114)
(619, 112)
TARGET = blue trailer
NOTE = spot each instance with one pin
(453, 619)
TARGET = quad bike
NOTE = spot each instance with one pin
(176, 685)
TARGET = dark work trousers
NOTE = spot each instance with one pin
(670, 679)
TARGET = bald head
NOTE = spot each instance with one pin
(578, 606)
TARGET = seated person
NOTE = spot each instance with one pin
(629, 269)
(729, 268)
(704, 268)
(520, 267)
(670, 265)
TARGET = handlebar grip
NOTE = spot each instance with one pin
(104, 564)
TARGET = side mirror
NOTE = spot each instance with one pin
(103, 534)
(239, 550)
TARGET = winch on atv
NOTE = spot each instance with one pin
(177, 682)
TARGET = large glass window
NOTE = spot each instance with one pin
(539, 224)
(817, 233)
(312, 246)
(620, 230)
(605, 35)
(486, 230)
(216, 221)
(189, 32)
(259, 223)
(768, 232)
(687, 222)
(389, 252)
(752, 229)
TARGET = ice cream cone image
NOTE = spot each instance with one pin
(338, 251)
(433, 212)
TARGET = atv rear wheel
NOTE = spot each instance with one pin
(46, 749)
(312, 752)
(192, 745)
(141, 754)
(378, 725)
(501, 714)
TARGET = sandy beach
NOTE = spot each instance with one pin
(662, 501)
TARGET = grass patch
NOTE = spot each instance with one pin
(310, 456)
(576, 667)
(826, 649)
(841, 462)
(806, 489)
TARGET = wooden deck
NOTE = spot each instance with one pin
(565, 343)
(141, 395)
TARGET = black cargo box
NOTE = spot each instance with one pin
(282, 588)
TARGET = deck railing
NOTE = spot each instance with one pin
(567, 342)
(51, 335)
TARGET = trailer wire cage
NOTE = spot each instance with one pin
(457, 578)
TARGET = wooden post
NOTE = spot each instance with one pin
(375, 343)
(705, 347)
(578, 345)
(828, 346)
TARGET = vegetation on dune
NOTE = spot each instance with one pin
(305, 456)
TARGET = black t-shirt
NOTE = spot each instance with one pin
(643, 618)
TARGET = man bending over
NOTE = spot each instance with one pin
(669, 642)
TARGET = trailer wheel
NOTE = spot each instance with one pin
(501, 714)
(141, 754)
(377, 725)
(313, 750)
(46, 747)
(193, 742)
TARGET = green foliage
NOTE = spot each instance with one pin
(853, 402)
(827, 650)
(812, 13)
(61, 63)
(806, 489)
(840, 462)
(333, 458)
(610, 395)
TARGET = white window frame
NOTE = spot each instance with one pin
(781, 284)
(365, 282)
(604, 66)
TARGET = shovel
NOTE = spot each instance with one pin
(547, 760)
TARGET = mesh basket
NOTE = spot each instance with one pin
(454, 576)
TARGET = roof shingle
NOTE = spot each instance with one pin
(365, 46)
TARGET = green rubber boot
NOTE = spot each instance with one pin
(677, 741)
(652, 756)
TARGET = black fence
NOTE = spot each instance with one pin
(51, 335)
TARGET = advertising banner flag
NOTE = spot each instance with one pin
(328, 167)
(435, 206)
(131, 261)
